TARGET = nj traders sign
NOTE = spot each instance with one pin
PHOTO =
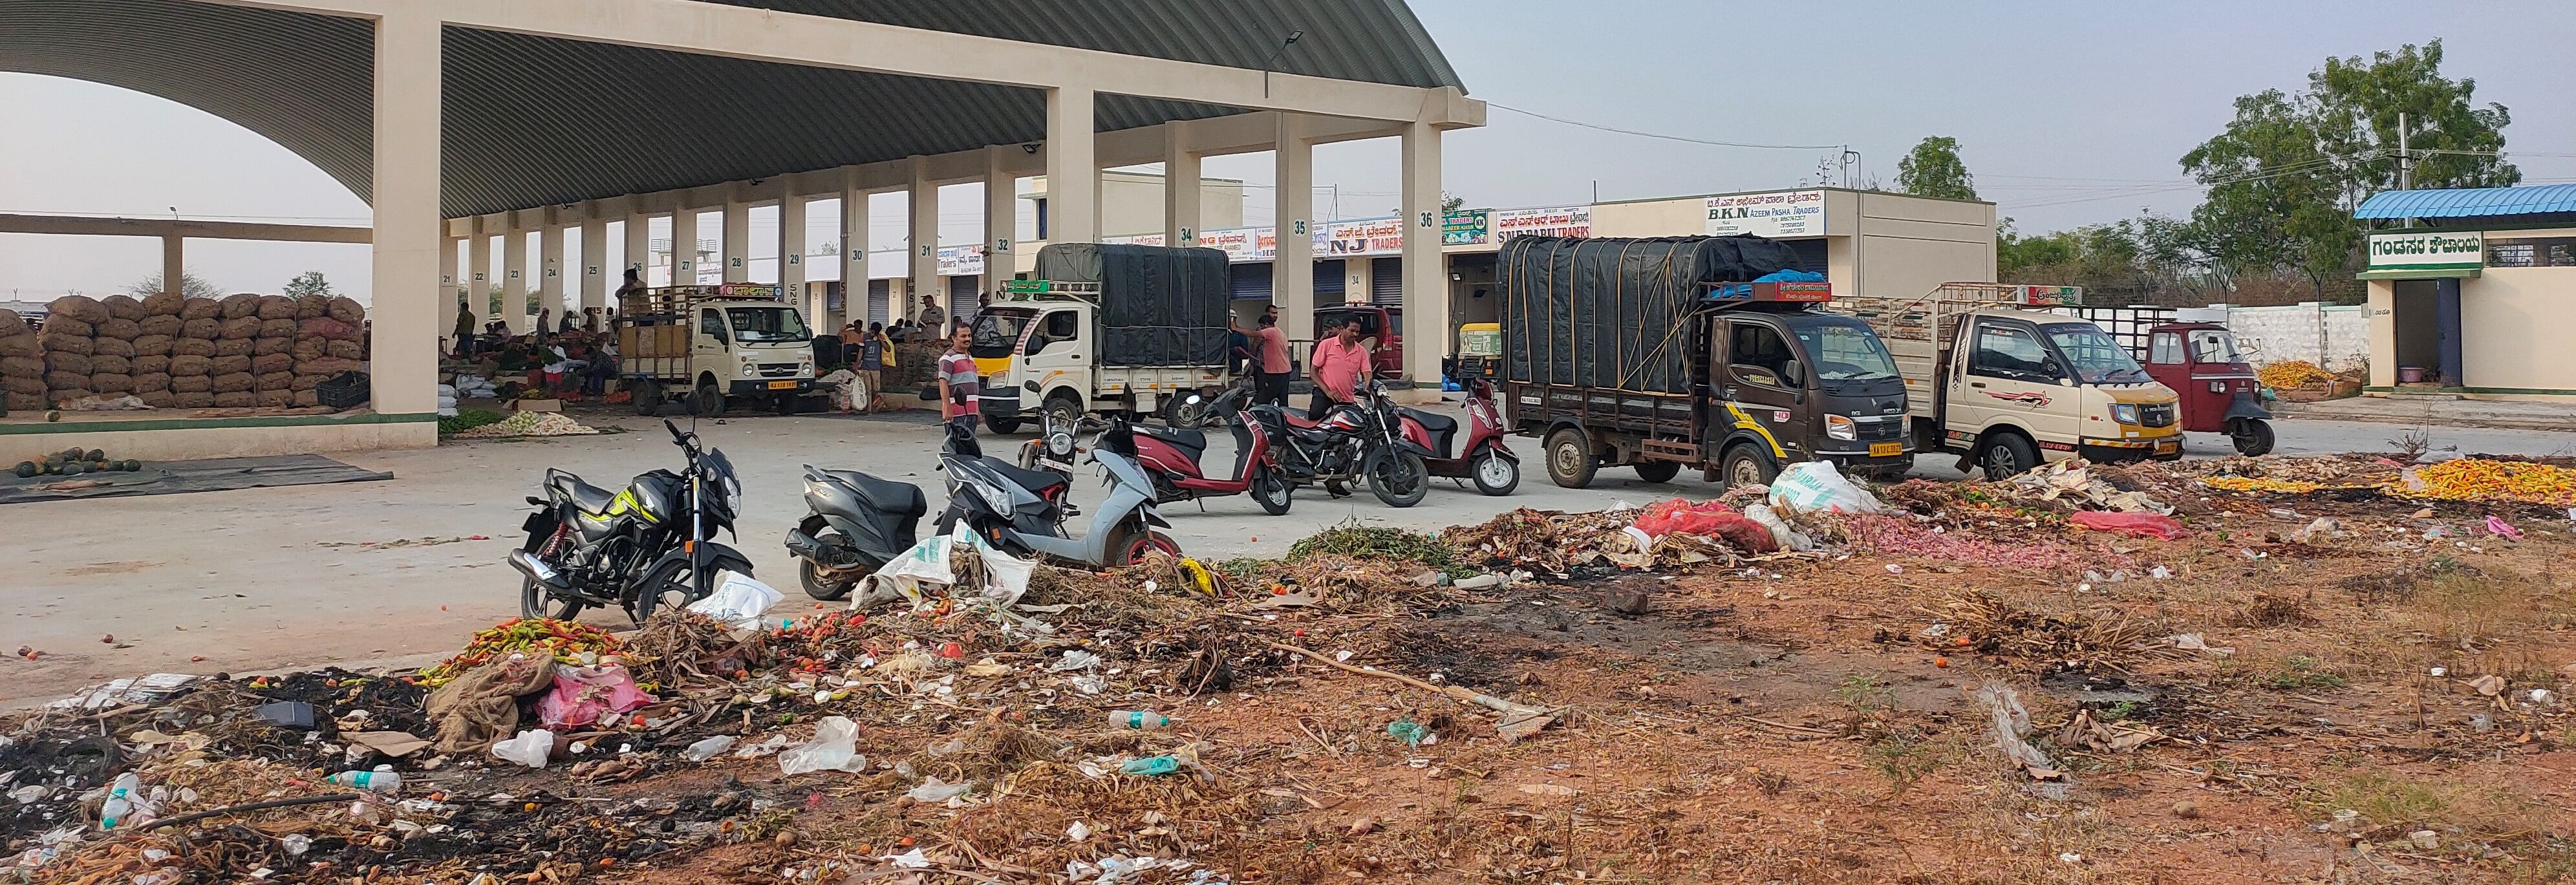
(2428, 251)
(1775, 214)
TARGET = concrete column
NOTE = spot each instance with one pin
(1073, 172)
(594, 266)
(684, 247)
(1426, 277)
(791, 259)
(174, 268)
(737, 242)
(2446, 322)
(924, 237)
(403, 358)
(854, 252)
(639, 247)
(1180, 186)
(1292, 274)
(514, 278)
(451, 295)
(478, 275)
(1001, 215)
(551, 285)
(2382, 304)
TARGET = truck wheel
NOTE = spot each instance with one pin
(1570, 461)
(786, 404)
(2007, 455)
(1001, 425)
(1064, 411)
(648, 397)
(2253, 436)
(1658, 471)
(1747, 464)
(708, 402)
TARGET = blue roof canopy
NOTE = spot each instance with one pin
(2469, 202)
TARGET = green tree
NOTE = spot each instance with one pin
(308, 284)
(190, 285)
(1450, 202)
(1933, 169)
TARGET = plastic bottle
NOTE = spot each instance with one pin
(1138, 720)
(385, 782)
(120, 801)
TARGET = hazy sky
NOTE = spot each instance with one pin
(2067, 113)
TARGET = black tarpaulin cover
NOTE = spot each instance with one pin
(1159, 306)
(1607, 312)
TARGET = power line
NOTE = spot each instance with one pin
(1680, 138)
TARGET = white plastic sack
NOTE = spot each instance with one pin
(835, 747)
(926, 562)
(1005, 576)
(1815, 486)
(738, 601)
(530, 748)
(1781, 533)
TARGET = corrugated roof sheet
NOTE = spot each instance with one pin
(2469, 202)
(534, 121)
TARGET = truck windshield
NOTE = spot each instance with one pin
(2092, 355)
(996, 333)
(764, 324)
(1843, 349)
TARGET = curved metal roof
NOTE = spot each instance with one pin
(533, 121)
(2470, 202)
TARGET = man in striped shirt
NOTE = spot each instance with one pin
(958, 383)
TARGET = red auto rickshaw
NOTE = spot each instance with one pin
(2216, 389)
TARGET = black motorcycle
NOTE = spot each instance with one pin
(640, 549)
(854, 524)
(1363, 440)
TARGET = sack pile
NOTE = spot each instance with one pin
(235, 352)
(22, 365)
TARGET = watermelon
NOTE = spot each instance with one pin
(28, 468)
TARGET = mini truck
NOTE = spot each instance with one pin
(1647, 363)
(709, 346)
(2008, 388)
(1138, 329)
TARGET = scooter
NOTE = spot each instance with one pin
(1483, 458)
(1023, 511)
(1170, 457)
(854, 524)
(1353, 440)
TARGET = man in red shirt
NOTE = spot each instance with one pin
(1270, 363)
(1341, 365)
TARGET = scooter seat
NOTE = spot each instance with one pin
(1039, 482)
(587, 498)
(899, 498)
(1443, 429)
(1191, 441)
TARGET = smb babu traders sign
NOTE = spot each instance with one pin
(2427, 251)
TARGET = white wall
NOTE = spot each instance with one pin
(2336, 337)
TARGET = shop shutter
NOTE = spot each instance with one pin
(962, 293)
(1328, 278)
(1251, 282)
(1811, 253)
(1386, 281)
(881, 301)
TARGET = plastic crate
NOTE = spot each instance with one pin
(344, 390)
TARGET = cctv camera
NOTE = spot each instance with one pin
(1031, 147)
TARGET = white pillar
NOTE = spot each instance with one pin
(737, 242)
(1292, 275)
(684, 247)
(403, 358)
(791, 258)
(478, 274)
(924, 237)
(1180, 186)
(1001, 215)
(1073, 173)
(854, 252)
(514, 277)
(594, 268)
(451, 295)
(174, 268)
(551, 285)
(1426, 277)
(639, 247)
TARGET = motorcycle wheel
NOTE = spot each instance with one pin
(669, 584)
(1129, 542)
(817, 580)
(533, 602)
(2252, 436)
(1495, 474)
(1271, 489)
(1397, 477)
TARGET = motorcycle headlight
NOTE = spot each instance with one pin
(1841, 427)
(2124, 413)
(732, 492)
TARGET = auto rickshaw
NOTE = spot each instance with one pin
(2216, 389)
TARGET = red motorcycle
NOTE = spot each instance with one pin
(1483, 458)
(1170, 457)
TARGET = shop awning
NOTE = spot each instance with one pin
(2469, 202)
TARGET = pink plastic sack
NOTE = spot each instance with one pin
(2144, 525)
(1709, 518)
(583, 694)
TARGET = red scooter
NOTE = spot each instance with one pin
(1170, 457)
(1483, 458)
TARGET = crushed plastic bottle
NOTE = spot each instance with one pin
(382, 780)
(708, 749)
(120, 802)
(1138, 720)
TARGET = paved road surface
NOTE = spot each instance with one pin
(265, 578)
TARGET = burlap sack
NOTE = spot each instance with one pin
(22, 367)
(273, 381)
(482, 706)
(152, 345)
(241, 305)
(151, 383)
(191, 384)
(201, 309)
(347, 350)
(162, 324)
(66, 381)
(276, 307)
(12, 325)
(278, 398)
(163, 304)
(327, 366)
(201, 328)
(309, 307)
(273, 362)
(236, 346)
(112, 346)
(118, 383)
(31, 385)
(145, 365)
(123, 307)
(109, 365)
(191, 364)
(22, 401)
(230, 365)
(327, 327)
(192, 347)
(347, 310)
(282, 327)
(65, 325)
(79, 307)
(310, 349)
(21, 344)
(118, 328)
(191, 400)
(75, 363)
(239, 327)
(159, 399)
(63, 342)
(266, 346)
(239, 399)
(308, 382)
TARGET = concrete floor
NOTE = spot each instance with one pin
(261, 579)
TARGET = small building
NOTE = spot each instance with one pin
(2473, 298)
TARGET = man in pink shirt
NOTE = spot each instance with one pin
(1341, 364)
(1270, 363)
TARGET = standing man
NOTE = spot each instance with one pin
(1270, 362)
(872, 355)
(1341, 364)
(958, 384)
(932, 317)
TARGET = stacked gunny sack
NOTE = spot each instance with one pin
(235, 352)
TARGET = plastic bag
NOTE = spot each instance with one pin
(926, 562)
(933, 791)
(708, 748)
(739, 601)
(1710, 518)
(583, 694)
(1006, 577)
(2144, 525)
(835, 747)
(1781, 533)
(1811, 486)
(530, 748)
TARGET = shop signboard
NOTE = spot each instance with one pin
(1548, 221)
(1465, 227)
(1373, 236)
(2428, 251)
(961, 261)
(1242, 244)
(1776, 214)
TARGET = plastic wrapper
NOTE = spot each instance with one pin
(1707, 518)
(581, 695)
(835, 747)
(2144, 525)
(529, 748)
(738, 600)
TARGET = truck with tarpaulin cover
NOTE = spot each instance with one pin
(708, 346)
(1706, 352)
(1104, 328)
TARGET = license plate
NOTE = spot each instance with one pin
(1882, 450)
(2169, 445)
(782, 385)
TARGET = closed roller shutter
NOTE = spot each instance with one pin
(961, 298)
(1386, 281)
(1328, 278)
(1251, 282)
(881, 301)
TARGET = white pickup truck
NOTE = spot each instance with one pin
(710, 346)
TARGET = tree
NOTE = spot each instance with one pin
(308, 284)
(190, 285)
(1933, 169)
(1451, 202)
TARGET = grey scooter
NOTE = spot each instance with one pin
(1023, 511)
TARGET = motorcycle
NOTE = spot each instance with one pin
(1483, 458)
(854, 524)
(1170, 458)
(641, 548)
(1352, 441)
(1023, 511)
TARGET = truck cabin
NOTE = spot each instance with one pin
(1800, 383)
(1381, 328)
